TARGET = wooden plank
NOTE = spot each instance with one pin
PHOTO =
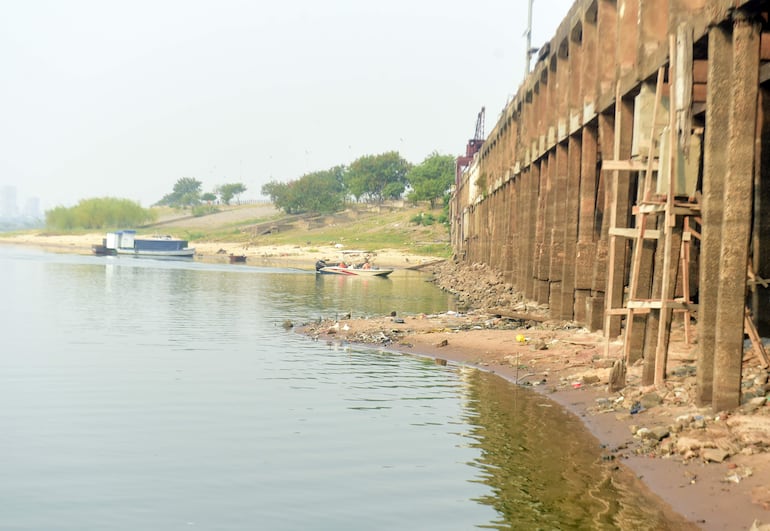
(649, 234)
(659, 304)
(651, 208)
(678, 210)
(625, 165)
(625, 311)
(418, 267)
(756, 341)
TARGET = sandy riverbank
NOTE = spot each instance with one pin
(710, 468)
(302, 257)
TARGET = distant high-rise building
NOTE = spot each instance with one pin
(32, 208)
(8, 206)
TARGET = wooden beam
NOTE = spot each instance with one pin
(659, 304)
(756, 341)
(678, 210)
(625, 165)
(649, 234)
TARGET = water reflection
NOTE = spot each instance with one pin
(544, 469)
(406, 292)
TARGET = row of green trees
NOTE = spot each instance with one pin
(99, 213)
(188, 192)
(371, 178)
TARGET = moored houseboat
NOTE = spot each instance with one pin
(126, 242)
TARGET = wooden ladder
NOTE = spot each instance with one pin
(673, 238)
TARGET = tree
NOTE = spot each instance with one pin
(99, 213)
(209, 197)
(431, 179)
(186, 193)
(281, 195)
(377, 177)
(228, 191)
(322, 192)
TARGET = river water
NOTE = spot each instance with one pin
(148, 394)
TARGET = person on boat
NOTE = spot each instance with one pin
(343, 264)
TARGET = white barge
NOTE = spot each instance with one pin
(126, 242)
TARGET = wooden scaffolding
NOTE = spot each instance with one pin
(664, 224)
(666, 221)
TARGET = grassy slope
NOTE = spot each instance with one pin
(359, 227)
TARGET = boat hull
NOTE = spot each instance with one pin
(102, 250)
(354, 272)
(180, 253)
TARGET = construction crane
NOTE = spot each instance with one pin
(474, 144)
(479, 134)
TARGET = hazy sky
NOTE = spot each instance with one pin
(105, 98)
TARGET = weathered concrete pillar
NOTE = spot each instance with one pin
(560, 215)
(588, 228)
(589, 220)
(549, 201)
(570, 227)
(493, 245)
(606, 135)
(541, 253)
(736, 216)
(510, 232)
(720, 69)
(531, 249)
(522, 236)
